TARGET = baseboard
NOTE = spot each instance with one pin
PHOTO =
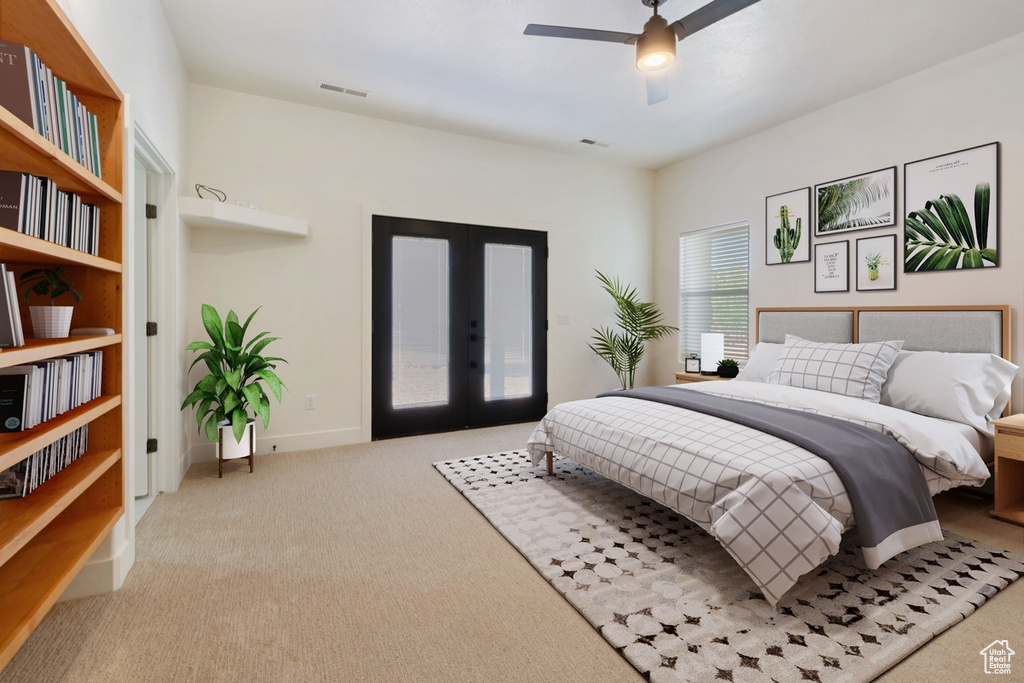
(102, 575)
(207, 452)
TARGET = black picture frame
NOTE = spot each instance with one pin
(870, 199)
(884, 278)
(948, 179)
(798, 204)
(832, 266)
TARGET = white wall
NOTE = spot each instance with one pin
(972, 100)
(133, 42)
(335, 170)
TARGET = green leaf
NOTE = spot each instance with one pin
(214, 328)
(233, 378)
(252, 394)
(982, 197)
(231, 401)
(963, 223)
(238, 420)
(263, 410)
(972, 259)
(273, 382)
(211, 428)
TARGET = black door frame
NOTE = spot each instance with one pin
(466, 406)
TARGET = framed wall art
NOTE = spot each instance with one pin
(787, 226)
(952, 211)
(832, 266)
(859, 202)
(876, 263)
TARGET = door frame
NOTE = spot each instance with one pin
(384, 208)
(165, 469)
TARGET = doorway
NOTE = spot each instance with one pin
(459, 326)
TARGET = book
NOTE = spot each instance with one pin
(7, 334)
(12, 402)
(13, 199)
(12, 291)
(17, 89)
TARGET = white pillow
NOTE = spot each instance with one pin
(856, 370)
(972, 388)
(761, 362)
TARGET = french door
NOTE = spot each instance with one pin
(459, 326)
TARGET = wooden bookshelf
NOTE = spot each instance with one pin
(47, 536)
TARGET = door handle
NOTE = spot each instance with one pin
(472, 364)
(474, 337)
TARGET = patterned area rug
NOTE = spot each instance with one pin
(666, 595)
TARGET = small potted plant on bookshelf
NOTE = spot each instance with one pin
(49, 322)
(728, 367)
(233, 385)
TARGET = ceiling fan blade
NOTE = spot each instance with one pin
(657, 86)
(579, 33)
(707, 15)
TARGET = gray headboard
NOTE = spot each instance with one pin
(967, 329)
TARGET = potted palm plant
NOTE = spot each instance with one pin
(234, 383)
(49, 322)
(639, 322)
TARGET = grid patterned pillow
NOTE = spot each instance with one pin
(856, 370)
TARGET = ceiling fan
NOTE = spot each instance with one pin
(656, 45)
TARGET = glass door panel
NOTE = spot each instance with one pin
(508, 322)
(420, 322)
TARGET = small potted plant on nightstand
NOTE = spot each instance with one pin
(237, 370)
(727, 367)
(49, 322)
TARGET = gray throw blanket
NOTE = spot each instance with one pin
(888, 492)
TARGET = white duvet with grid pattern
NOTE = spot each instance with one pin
(778, 509)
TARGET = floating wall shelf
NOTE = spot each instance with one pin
(213, 215)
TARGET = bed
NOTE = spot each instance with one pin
(843, 419)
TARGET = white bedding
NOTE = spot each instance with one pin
(777, 509)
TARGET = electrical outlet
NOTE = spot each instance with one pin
(583, 381)
(310, 401)
(563, 318)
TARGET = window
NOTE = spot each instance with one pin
(714, 272)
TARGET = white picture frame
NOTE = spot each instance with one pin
(832, 266)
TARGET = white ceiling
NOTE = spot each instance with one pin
(466, 67)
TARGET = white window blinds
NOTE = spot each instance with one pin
(714, 272)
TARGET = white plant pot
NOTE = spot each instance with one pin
(51, 322)
(232, 449)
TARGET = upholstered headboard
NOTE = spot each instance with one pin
(963, 329)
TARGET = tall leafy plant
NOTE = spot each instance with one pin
(237, 371)
(639, 322)
(839, 203)
(941, 233)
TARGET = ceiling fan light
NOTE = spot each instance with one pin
(656, 46)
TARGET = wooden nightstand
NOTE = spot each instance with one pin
(1009, 484)
(687, 377)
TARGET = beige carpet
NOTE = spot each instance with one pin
(363, 564)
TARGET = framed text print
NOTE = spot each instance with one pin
(787, 227)
(952, 207)
(832, 266)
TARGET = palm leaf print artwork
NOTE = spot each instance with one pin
(858, 203)
(940, 236)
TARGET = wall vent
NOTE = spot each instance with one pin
(341, 89)
(595, 143)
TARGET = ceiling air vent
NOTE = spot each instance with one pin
(595, 143)
(341, 89)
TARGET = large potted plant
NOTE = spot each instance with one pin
(237, 371)
(49, 322)
(639, 322)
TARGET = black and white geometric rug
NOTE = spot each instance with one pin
(666, 595)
